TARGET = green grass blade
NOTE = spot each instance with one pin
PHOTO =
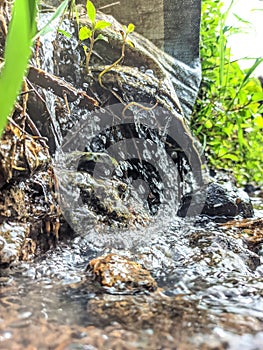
(16, 56)
(250, 71)
(49, 26)
(222, 43)
(33, 9)
(221, 54)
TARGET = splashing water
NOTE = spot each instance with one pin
(211, 290)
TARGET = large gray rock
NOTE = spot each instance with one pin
(174, 27)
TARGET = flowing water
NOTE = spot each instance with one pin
(210, 294)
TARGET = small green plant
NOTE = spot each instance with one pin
(89, 33)
(125, 33)
(125, 40)
(227, 117)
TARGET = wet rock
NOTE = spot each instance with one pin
(155, 311)
(177, 323)
(226, 200)
(119, 275)
(219, 200)
(30, 154)
(28, 207)
(88, 200)
(251, 189)
(32, 201)
(149, 110)
(225, 251)
(12, 239)
(250, 230)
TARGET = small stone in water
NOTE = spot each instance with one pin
(121, 275)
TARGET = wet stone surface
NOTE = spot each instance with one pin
(12, 239)
(222, 200)
(29, 214)
(120, 275)
(89, 200)
(226, 200)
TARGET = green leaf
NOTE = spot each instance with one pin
(84, 33)
(208, 124)
(101, 25)
(63, 32)
(259, 121)
(102, 37)
(249, 72)
(91, 11)
(130, 43)
(257, 62)
(222, 47)
(33, 15)
(16, 55)
(230, 156)
(242, 20)
(258, 96)
(49, 27)
(130, 28)
(222, 151)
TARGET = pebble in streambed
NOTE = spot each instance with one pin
(119, 275)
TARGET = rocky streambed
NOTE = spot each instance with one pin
(178, 284)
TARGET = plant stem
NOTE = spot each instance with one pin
(113, 64)
(89, 53)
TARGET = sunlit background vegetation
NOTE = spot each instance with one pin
(228, 113)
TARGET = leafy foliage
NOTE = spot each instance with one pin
(228, 113)
(89, 33)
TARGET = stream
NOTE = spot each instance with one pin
(209, 296)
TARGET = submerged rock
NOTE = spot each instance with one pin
(119, 275)
(251, 232)
(87, 201)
